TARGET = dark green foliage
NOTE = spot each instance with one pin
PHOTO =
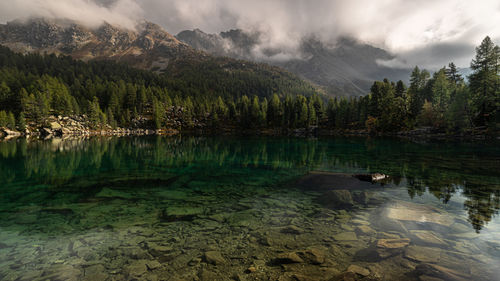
(220, 93)
(21, 122)
(485, 82)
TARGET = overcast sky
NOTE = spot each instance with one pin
(429, 33)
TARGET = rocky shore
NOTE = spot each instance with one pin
(79, 126)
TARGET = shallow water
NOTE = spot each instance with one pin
(157, 208)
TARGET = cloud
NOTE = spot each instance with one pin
(433, 56)
(406, 28)
(409, 29)
(124, 13)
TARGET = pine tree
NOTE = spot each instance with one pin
(95, 113)
(453, 75)
(3, 119)
(21, 122)
(485, 80)
(11, 121)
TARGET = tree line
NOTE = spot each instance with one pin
(32, 87)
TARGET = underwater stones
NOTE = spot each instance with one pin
(337, 198)
(389, 225)
(251, 269)
(345, 236)
(62, 272)
(207, 275)
(286, 258)
(359, 222)
(157, 250)
(312, 255)
(137, 268)
(365, 230)
(358, 270)
(153, 264)
(387, 235)
(291, 229)
(325, 181)
(95, 272)
(411, 212)
(390, 247)
(424, 237)
(467, 235)
(393, 243)
(184, 213)
(429, 278)
(134, 253)
(459, 228)
(422, 254)
(241, 219)
(194, 261)
(214, 257)
(442, 272)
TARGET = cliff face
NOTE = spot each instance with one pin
(149, 46)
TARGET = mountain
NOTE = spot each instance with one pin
(348, 67)
(147, 47)
(150, 47)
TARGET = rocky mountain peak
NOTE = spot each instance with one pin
(140, 47)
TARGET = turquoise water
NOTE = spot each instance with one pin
(193, 208)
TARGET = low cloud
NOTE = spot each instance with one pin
(125, 13)
(409, 29)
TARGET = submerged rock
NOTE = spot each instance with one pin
(393, 243)
(365, 230)
(214, 257)
(422, 254)
(390, 247)
(345, 236)
(292, 229)
(337, 198)
(423, 237)
(358, 270)
(287, 258)
(186, 213)
(326, 181)
(417, 213)
(438, 271)
(371, 177)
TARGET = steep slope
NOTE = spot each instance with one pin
(349, 67)
(150, 47)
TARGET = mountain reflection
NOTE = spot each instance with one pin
(444, 170)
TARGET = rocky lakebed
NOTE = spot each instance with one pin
(195, 223)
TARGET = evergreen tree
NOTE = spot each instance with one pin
(157, 113)
(21, 122)
(453, 75)
(95, 113)
(3, 118)
(11, 121)
(484, 81)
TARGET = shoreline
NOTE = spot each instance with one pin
(79, 126)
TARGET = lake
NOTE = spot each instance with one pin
(214, 208)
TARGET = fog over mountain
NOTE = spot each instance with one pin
(427, 33)
(348, 67)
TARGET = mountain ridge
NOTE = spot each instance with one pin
(150, 47)
(346, 67)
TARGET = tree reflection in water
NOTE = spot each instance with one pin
(442, 169)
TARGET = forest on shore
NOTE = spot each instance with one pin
(34, 87)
